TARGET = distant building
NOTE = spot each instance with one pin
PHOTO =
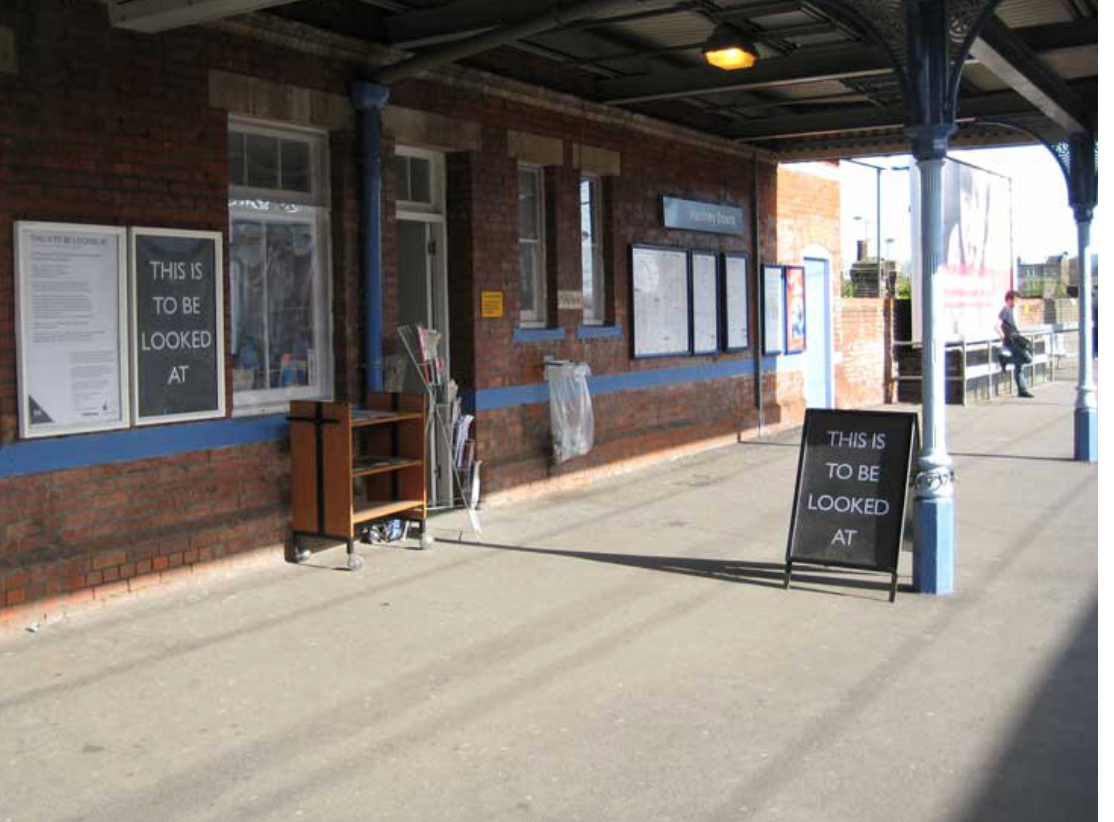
(1044, 278)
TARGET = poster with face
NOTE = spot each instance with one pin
(978, 252)
(794, 309)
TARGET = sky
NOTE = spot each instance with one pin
(1043, 224)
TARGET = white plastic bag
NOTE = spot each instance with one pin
(570, 409)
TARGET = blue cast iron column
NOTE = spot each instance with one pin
(369, 99)
(931, 123)
(1083, 195)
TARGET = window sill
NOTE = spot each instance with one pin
(599, 332)
(539, 335)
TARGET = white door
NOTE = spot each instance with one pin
(818, 345)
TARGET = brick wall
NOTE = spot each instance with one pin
(102, 126)
(90, 533)
(862, 378)
(808, 220)
(105, 126)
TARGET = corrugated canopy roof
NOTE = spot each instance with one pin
(821, 88)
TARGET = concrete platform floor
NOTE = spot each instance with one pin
(623, 653)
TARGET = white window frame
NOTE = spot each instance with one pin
(535, 315)
(436, 161)
(593, 315)
(283, 206)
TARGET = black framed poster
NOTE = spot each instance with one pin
(773, 309)
(177, 325)
(736, 321)
(660, 301)
(71, 328)
(705, 302)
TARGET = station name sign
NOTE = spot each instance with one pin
(692, 215)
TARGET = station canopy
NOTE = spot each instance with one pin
(821, 86)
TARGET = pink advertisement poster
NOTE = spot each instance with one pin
(978, 253)
(794, 309)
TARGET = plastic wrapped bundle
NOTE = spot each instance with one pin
(570, 409)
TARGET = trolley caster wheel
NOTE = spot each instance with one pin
(301, 555)
(426, 542)
(355, 562)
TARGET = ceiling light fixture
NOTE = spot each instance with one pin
(729, 49)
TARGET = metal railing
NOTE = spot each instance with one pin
(1060, 342)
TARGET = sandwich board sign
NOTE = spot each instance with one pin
(849, 507)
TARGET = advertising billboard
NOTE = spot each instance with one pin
(978, 252)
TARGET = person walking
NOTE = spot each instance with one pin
(1019, 348)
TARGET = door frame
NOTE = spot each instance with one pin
(819, 254)
(432, 215)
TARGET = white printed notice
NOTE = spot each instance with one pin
(70, 328)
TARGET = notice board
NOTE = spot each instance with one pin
(852, 488)
(736, 314)
(773, 309)
(177, 325)
(660, 289)
(71, 328)
(705, 302)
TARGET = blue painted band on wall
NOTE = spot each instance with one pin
(84, 450)
(528, 335)
(599, 332)
(81, 451)
(491, 399)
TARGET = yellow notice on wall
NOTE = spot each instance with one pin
(491, 303)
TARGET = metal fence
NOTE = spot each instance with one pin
(978, 368)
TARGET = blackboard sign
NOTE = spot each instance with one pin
(177, 325)
(852, 486)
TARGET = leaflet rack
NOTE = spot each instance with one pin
(354, 466)
(446, 425)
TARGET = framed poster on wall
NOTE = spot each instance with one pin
(660, 301)
(71, 328)
(773, 309)
(705, 302)
(736, 321)
(795, 329)
(177, 325)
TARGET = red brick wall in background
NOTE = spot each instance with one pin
(808, 215)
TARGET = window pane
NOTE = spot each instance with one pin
(295, 165)
(527, 183)
(420, 188)
(290, 327)
(262, 160)
(528, 262)
(528, 228)
(249, 334)
(587, 209)
(588, 267)
(237, 175)
(402, 177)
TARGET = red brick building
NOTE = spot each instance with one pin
(245, 127)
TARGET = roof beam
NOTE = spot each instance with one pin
(493, 38)
(1014, 63)
(469, 17)
(1060, 35)
(998, 104)
(803, 66)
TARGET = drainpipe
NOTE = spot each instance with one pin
(369, 99)
(759, 313)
